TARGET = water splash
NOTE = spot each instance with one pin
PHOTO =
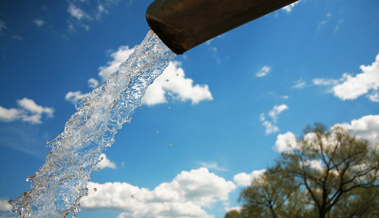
(62, 180)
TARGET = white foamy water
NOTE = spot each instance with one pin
(62, 180)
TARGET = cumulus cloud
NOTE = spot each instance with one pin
(28, 111)
(244, 179)
(105, 162)
(350, 87)
(5, 206)
(185, 196)
(263, 71)
(366, 127)
(93, 83)
(289, 7)
(73, 97)
(39, 22)
(313, 164)
(285, 142)
(173, 82)
(118, 57)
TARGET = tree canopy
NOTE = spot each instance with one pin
(326, 174)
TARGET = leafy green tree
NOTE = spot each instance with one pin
(327, 174)
(232, 214)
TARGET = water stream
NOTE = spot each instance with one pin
(58, 186)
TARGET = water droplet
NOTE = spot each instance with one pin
(169, 107)
(95, 189)
(132, 196)
(177, 74)
(98, 168)
(167, 80)
(157, 131)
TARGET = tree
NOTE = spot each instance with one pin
(327, 173)
(232, 214)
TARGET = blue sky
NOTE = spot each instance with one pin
(201, 136)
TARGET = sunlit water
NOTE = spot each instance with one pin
(58, 186)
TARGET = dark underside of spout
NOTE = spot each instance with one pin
(184, 24)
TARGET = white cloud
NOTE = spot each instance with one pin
(39, 22)
(212, 165)
(314, 164)
(289, 7)
(77, 12)
(73, 97)
(299, 84)
(31, 106)
(105, 162)
(5, 206)
(276, 111)
(351, 87)
(244, 179)
(271, 126)
(366, 127)
(29, 111)
(263, 71)
(118, 56)
(285, 142)
(93, 83)
(8, 115)
(172, 82)
(185, 196)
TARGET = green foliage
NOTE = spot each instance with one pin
(328, 174)
(232, 214)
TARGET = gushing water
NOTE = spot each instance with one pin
(62, 180)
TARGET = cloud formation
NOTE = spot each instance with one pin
(271, 126)
(285, 142)
(28, 111)
(105, 162)
(289, 7)
(299, 84)
(244, 179)
(93, 83)
(366, 127)
(82, 12)
(185, 196)
(118, 57)
(39, 22)
(263, 71)
(5, 206)
(171, 83)
(73, 97)
(351, 87)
